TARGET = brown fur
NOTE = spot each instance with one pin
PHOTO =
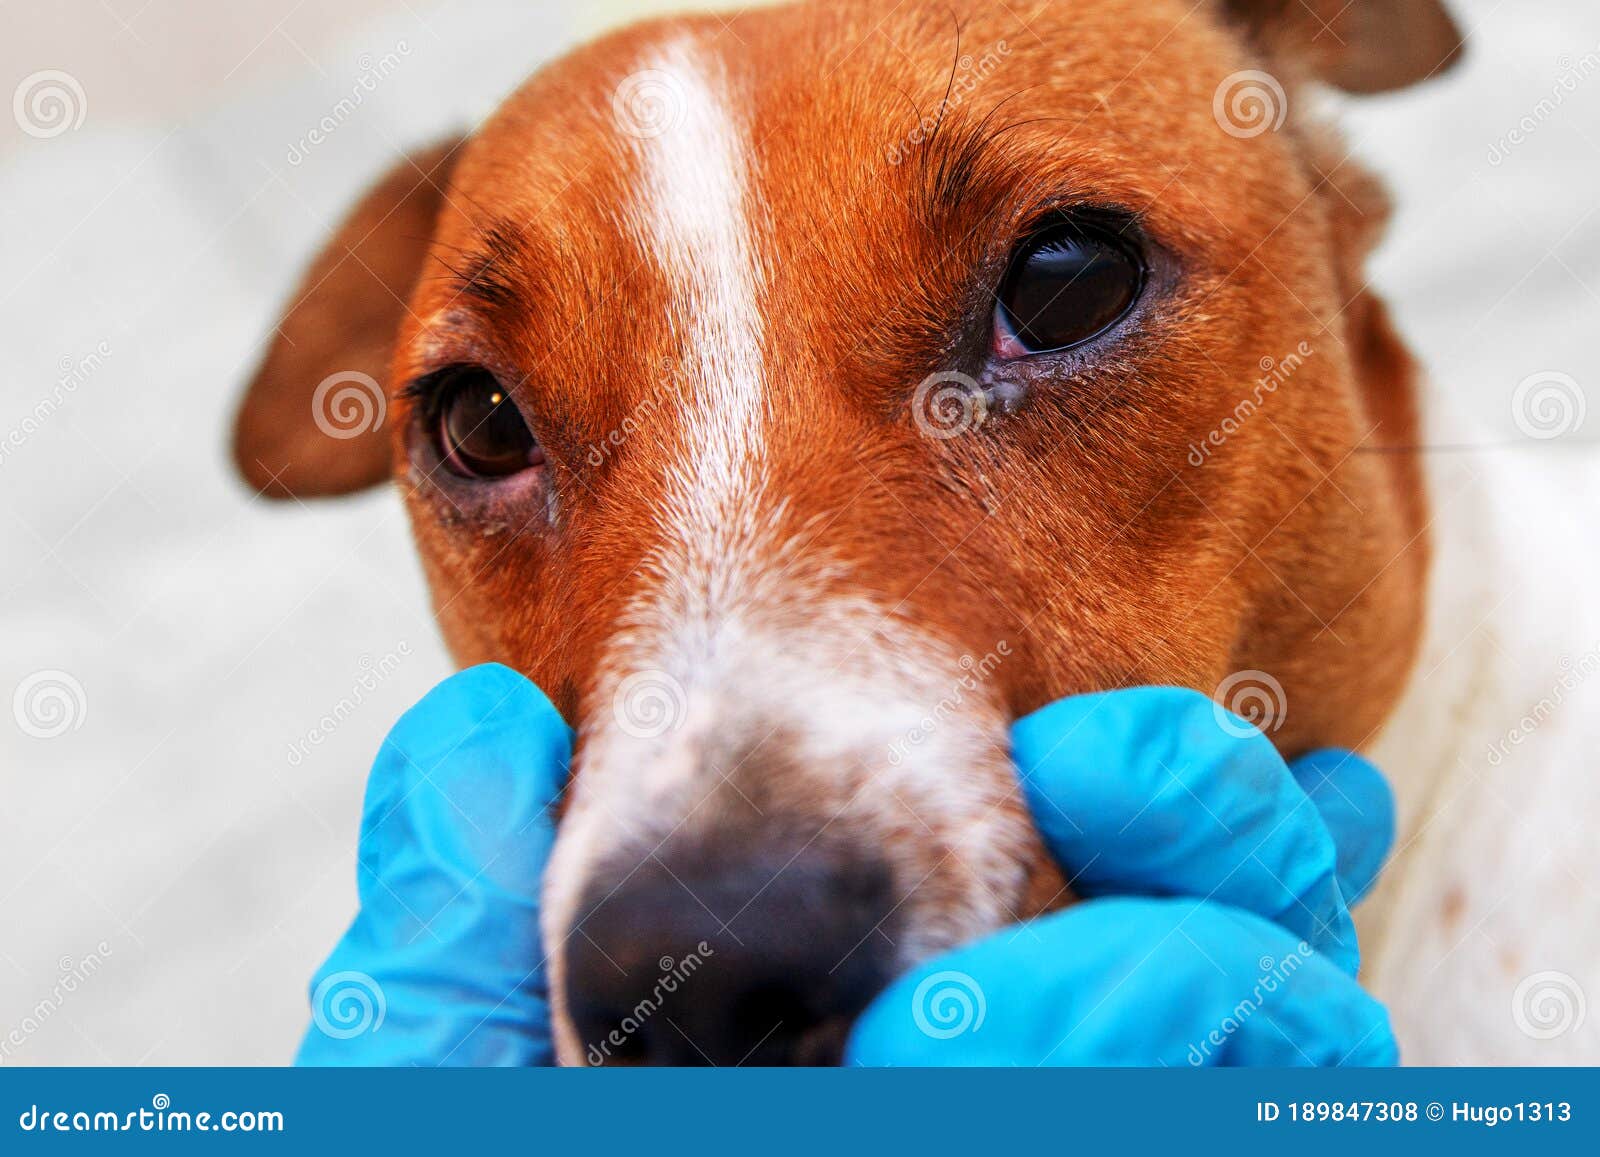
(1075, 527)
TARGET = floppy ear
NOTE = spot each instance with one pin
(1360, 46)
(312, 419)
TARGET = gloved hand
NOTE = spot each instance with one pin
(443, 964)
(1216, 929)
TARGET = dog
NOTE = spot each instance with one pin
(800, 396)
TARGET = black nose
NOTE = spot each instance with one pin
(705, 957)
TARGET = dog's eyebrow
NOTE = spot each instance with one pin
(488, 266)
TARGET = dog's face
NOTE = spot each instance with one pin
(800, 398)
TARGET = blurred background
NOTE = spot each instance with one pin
(199, 679)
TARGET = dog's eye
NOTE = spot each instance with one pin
(481, 432)
(1069, 282)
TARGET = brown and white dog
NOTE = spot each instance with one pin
(801, 396)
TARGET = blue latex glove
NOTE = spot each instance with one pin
(443, 964)
(1229, 940)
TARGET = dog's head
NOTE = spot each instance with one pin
(801, 397)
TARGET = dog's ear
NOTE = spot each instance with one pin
(1360, 46)
(312, 420)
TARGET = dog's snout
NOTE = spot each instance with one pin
(704, 957)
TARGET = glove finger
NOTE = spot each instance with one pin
(1358, 806)
(1158, 790)
(443, 962)
(1128, 981)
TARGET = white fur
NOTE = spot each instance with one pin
(740, 634)
(1493, 880)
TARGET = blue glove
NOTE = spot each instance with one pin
(1221, 932)
(443, 964)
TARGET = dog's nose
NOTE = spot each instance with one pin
(699, 958)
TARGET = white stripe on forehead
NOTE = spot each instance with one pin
(695, 220)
